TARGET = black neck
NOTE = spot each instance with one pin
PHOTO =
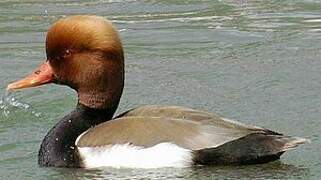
(58, 147)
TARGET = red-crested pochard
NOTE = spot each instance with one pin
(86, 54)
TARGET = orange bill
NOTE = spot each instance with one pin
(42, 75)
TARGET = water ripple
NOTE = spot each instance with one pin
(8, 104)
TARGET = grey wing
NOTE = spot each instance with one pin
(179, 112)
(149, 125)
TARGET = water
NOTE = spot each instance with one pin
(255, 61)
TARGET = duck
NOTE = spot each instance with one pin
(85, 53)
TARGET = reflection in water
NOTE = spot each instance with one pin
(277, 170)
(8, 103)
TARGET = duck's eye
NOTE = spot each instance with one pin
(67, 53)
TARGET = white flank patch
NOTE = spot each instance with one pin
(129, 156)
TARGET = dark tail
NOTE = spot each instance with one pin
(254, 148)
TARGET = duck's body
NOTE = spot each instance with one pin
(85, 53)
(157, 136)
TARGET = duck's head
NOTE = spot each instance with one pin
(84, 53)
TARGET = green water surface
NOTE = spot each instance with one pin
(255, 61)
